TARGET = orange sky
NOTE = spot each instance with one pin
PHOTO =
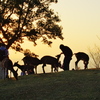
(80, 20)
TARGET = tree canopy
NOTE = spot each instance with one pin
(33, 19)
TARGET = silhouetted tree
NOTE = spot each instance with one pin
(95, 55)
(32, 19)
(27, 52)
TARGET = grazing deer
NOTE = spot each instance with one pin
(52, 61)
(24, 68)
(7, 65)
(31, 61)
(81, 56)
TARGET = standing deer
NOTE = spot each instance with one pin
(31, 61)
(52, 61)
(81, 56)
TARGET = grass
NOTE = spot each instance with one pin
(66, 85)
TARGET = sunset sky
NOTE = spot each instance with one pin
(80, 20)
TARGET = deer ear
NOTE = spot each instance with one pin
(58, 56)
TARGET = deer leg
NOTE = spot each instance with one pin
(32, 71)
(43, 68)
(14, 73)
(52, 68)
(55, 69)
(85, 63)
(76, 67)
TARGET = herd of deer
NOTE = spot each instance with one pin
(31, 63)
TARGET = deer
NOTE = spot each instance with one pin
(24, 68)
(31, 61)
(7, 65)
(54, 62)
(81, 56)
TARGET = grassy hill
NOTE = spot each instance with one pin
(67, 85)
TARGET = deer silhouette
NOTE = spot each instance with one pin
(31, 61)
(7, 65)
(24, 68)
(81, 56)
(52, 61)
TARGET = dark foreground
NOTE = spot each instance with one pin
(68, 85)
